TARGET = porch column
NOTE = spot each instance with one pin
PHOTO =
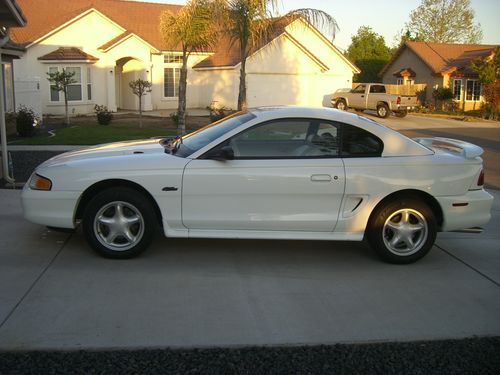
(111, 84)
(148, 98)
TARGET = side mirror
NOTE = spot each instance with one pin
(223, 154)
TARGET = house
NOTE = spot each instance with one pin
(439, 65)
(108, 43)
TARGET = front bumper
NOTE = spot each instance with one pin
(50, 208)
(473, 210)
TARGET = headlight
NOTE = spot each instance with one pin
(38, 182)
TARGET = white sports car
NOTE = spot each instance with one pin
(268, 173)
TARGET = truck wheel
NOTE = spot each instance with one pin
(401, 114)
(383, 110)
(341, 104)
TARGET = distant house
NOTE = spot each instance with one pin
(439, 65)
(108, 43)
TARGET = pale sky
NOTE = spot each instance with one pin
(386, 17)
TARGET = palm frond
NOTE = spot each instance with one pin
(317, 18)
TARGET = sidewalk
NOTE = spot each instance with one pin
(55, 293)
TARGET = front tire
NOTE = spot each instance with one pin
(341, 105)
(402, 231)
(383, 110)
(119, 223)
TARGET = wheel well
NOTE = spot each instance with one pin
(379, 103)
(417, 194)
(92, 190)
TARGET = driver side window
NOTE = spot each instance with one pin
(360, 89)
(287, 139)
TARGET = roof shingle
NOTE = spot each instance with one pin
(441, 57)
(45, 16)
(68, 53)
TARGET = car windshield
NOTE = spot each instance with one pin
(198, 139)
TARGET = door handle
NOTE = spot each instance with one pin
(321, 178)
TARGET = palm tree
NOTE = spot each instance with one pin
(191, 30)
(251, 24)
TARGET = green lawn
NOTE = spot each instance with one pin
(92, 134)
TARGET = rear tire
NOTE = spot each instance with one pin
(119, 223)
(402, 231)
(383, 110)
(401, 114)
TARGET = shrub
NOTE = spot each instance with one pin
(218, 113)
(442, 93)
(26, 122)
(104, 116)
(175, 118)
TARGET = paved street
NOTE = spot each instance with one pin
(55, 293)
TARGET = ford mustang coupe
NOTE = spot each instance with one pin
(268, 173)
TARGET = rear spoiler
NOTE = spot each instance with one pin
(467, 150)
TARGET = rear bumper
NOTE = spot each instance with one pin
(466, 211)
(50, 208)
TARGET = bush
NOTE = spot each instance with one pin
(442, 93)
(26, 122)
(104, 116)
(175, 118)
(218, 113)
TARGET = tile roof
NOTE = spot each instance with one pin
(227, 52)
(441, 57)
(45, 16)
(68, 53)
(111, 42)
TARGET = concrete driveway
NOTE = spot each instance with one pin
(56, 294)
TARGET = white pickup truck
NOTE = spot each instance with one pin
(373, 96)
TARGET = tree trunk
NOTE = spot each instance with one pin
(181, 108)
(140, 111)
(242, 95)
(66, 106)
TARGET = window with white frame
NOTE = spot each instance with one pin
(410, 82)
(473, 90)
(75, 90)
(54, 94)
(457, 89)
(171, 74)
(89, 84)
(399, 81)
(172, 58)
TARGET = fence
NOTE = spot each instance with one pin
(414, 89)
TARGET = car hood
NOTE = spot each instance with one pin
(149, 146)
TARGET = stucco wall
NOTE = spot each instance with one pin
(408, 59)
(282, 74)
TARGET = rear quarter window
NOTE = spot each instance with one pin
(357, 142)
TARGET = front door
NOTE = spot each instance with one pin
(357, 99)
(286, 176)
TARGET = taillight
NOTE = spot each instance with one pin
(398, 100)
(480, 180)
